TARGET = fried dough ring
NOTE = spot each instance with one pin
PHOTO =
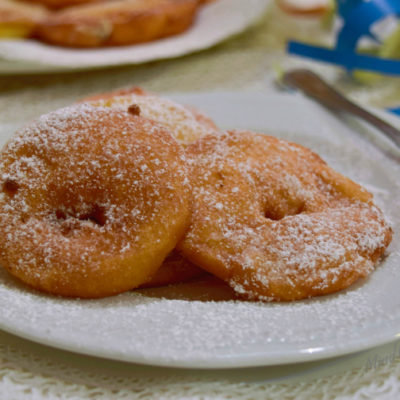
(92, 201)
(100, 97)
(275, 221)
(204, 288)
(119, 22)
(185, 124)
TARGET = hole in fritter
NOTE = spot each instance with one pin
(274, 215)
(60, 214)
(277, 215)
(97, 215)
(10, 187)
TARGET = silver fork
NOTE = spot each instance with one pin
(312, 85)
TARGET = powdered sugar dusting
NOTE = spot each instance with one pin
(295, 228)
(180, 121)
(176, 332)
(82, 185)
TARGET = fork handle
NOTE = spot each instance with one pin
(312, 85)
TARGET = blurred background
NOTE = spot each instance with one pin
(249, 60)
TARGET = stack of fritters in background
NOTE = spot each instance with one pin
(96, 23)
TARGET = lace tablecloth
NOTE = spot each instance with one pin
(246, 62)
(31, 371)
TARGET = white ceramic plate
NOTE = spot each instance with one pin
(215, 22)
(235, 334)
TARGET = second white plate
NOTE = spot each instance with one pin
(216, 22)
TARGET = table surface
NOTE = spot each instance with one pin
(247, 62)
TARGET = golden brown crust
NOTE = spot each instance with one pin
(175, 269)
(275, 222)
(186, 124)
(19, 19)
(203, 119)
(58, 4)
(119, 22)
(205, 288)
(138, 91)
(135, 90)
(92, 201)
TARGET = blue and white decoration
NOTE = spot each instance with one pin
(358, 19)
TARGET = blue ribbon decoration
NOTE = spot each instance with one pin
(395, 110)
(358, 17)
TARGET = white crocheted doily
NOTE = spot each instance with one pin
(29, 371)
